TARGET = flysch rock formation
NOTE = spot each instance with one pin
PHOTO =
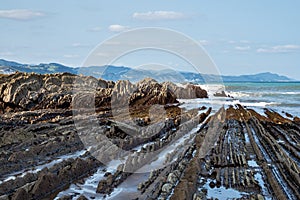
(235, 153)
(29, 91)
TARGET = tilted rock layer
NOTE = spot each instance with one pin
(43, 152)
(24, 91)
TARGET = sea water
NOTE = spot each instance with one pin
(279, 96)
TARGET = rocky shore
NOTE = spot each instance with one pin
(74, 137)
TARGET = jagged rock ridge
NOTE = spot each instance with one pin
(23, 91)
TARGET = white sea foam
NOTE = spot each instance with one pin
(259, 104)
(213, 88)
(291, 93)
(218, 102)
(241, 94)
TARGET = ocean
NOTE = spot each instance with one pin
(283, 96)
(276, 96)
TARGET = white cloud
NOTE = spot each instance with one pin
(117, 28)
(242, 48)
(158, 15)
(279, 49)
(19, 14)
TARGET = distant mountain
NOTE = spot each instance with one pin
(261, 77)
(9, 67)
(105, 72)
(115, 73)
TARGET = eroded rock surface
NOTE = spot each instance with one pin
(24, 91)
(53, 147)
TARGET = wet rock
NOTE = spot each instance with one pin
(30, 138)
(189, 91)
(4, 197)
(66, 197)
(21, 194)
(289, 115)
(140, 186)
(199, 196)
(297, 120)
(25, 182)
(45, 184)
(82, 197)
(212, 184)
(260, 197)
(172, 178)
(203, 108)
(110, 179)
(102, 187)
(167, 188)
(107, 174)
(221, 94)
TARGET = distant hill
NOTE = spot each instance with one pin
(261, 77)
(50, 68)
(115, 73)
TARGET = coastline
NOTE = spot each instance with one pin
(186, 148)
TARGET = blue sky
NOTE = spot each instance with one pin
(242, 37)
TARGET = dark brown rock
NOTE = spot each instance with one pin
(102, 187)
(221, 94)
(23, 91)
(21, 194)
(45, 185)
(82, 197)
(188, 91)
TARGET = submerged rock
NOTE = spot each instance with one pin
(221, 94)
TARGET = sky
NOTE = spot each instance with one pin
(241, 37)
